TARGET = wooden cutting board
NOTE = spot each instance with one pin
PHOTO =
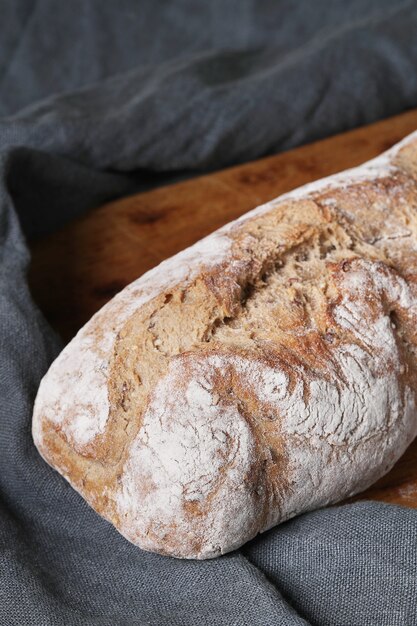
(78, 269)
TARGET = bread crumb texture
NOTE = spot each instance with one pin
(266, 371)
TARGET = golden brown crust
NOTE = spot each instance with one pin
(274, 377)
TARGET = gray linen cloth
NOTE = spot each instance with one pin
(100, 99)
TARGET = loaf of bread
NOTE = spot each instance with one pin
(268, 370)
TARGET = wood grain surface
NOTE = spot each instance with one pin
(79, 268)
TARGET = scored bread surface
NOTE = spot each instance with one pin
(266, 371)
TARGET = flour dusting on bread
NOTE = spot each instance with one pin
(268, 370)
(74, 394)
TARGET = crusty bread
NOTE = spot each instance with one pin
(268, 370)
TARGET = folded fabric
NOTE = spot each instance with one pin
(101, 99)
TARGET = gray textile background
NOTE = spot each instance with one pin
(100, 99)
